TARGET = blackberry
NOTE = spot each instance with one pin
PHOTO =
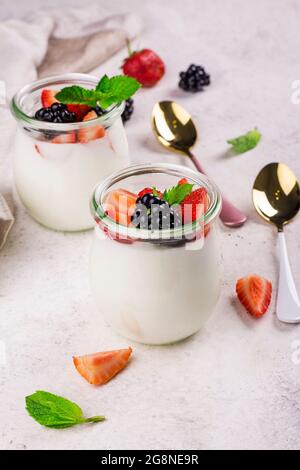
(57, 113)
(128, 110)
(155, 214)
(99, 111)
(194, 79)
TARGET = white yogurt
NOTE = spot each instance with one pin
(155, 294)
(55, 181)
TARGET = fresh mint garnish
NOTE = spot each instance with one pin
(56, 412)
(155, 192)
(245, 142)
(178, 193)
(108, 91)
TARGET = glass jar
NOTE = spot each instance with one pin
(158, 286)
(56, 165)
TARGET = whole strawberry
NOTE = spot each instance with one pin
(145, 66)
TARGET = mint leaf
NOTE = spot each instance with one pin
(77, 95)
(245, 142)
(56, 412)
(123, 87)
(155, 192)
(108, 91)
(178, 193)
(104, 84)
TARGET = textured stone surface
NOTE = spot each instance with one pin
(233, 385)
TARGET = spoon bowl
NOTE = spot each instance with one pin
(276, 194)
(175, 130)
(173, 126)
(276, 197)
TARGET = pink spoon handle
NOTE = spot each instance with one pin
(230, 215)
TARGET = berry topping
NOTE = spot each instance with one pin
(183, 181)
(101, 367)
(153, 191)
(67, 138)
(99, 111)
(119, 205)
(80, 110)
(145, 66)
(57, 113)
(48, 98)
(154, 213)
(90, 133)
(194, 79)
(128, 110)
(255, 293)
(194, 205)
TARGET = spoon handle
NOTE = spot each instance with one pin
(230, 215)
(288, 304)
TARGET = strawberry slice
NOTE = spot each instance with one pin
(69, 138)
(80, 110)
(90, 115)
(90, 133)
(48, 98)
(255, 293)
(149, 191)
(119, 205)
(100, 367)
(183, 181)
(194, 205)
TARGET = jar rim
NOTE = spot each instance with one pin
(77, 78)
(98, 211)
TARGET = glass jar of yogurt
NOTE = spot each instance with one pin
(56, 165)
(155, 286)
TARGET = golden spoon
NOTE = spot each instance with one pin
(175, 130)
(276, 197)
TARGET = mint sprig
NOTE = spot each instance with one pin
(178, 193)
(56, 412)
(108, 91)
(245, 142)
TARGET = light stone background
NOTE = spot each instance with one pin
(234, 385)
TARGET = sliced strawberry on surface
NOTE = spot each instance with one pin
(80, 110)
(194, 205)
(145, 66)
(149, 191)
(255, 293)
(68, 138)
(100, 367)
(119, 205)
(48, 98)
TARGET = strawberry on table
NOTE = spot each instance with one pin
(100, 367)
(255, 293)
(145, 66)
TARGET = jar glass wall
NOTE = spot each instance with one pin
(56, 165)
(150, 287)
